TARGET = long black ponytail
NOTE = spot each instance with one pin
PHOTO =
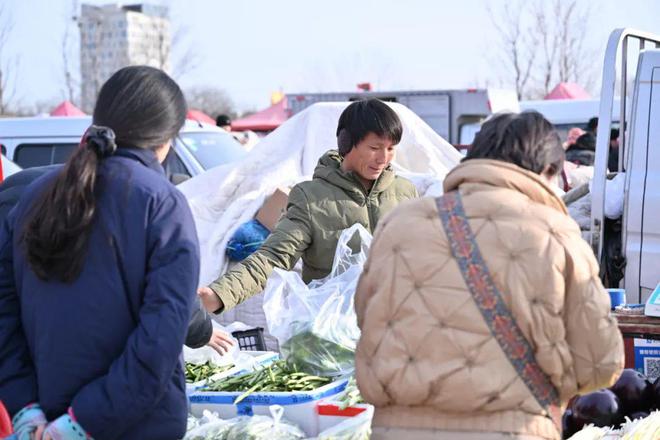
(138, 106)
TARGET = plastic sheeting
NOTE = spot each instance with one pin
(225, 197)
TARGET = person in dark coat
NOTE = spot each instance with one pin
(13, 186)
(200, 327)
(99, 263)
(583, 151)
(613, 156)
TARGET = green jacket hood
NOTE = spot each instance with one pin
(329, 169)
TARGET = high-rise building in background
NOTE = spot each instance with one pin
(114, 36)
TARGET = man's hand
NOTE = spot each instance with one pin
(220, 341)
(209, 299)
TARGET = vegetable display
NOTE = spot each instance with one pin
(277, 377)
(308, 351)
(195, 373)
(351, 395)
(631, 398)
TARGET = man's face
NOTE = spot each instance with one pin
(369, 158)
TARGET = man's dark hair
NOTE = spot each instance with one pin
(222, 120)
(364, 117)
(526, 139)
(585, 142)
(592, 125)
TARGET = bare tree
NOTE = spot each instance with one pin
(518, 43)
(9, 63)
(174, 52)
(211, 100)
(550, 50)
(41, 106)
(70, 82)
(575, 61)
(549, 42)
(185, 58)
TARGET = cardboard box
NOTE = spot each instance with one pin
(273, 208)
(299, 407)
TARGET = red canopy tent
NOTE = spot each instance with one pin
(67, 109)
(568, 91)
(265, 120)
(200, 116)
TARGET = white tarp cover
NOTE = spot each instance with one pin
(225, 197)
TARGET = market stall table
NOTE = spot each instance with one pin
(635, 325)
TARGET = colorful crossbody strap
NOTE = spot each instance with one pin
(492, 306)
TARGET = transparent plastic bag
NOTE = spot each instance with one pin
(209, 427)
(234, 360)
(355, 428)
(265, 428)
(315, 324)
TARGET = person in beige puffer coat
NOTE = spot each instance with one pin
(427, 359)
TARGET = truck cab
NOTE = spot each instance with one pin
(632, 64)
(454, 114)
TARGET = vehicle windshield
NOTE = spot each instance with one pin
(468, 132)
(212, 148)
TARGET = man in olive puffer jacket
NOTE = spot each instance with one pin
(352, 185)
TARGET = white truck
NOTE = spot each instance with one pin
(630, 245)
(453, 114)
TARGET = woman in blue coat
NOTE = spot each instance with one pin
(99, 264)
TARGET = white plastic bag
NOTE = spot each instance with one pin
(614, 196)
(211, 427)
(355, 428)
(316, 325)
(264, 427)
(235, 360)
(205, 354)
(208, 427)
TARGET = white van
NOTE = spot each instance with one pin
(565, 114)
(38, 141)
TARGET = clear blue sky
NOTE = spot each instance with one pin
(253, 47)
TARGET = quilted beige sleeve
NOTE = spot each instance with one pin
(366, 286)
(592, 333)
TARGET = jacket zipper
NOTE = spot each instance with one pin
(368, 205)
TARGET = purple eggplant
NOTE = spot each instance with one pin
(634, 391)
(602, 408)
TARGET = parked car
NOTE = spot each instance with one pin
(39, 141)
